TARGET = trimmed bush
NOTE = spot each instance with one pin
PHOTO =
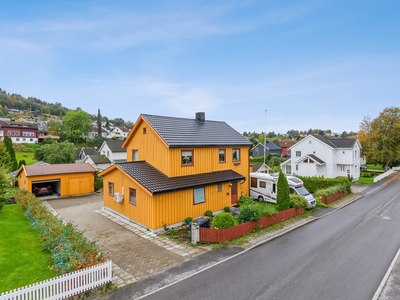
(249, 213)
(208, 213)
(227, 209)
(313, 184)
(298, 201)
(282, 197)
(188, 220)
(223, 220)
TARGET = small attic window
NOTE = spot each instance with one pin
(309, 141)
(144, 130)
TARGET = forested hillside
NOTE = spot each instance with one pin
(36, 106)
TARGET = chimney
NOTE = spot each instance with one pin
(201, 117)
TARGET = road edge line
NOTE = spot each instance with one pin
(386, 277)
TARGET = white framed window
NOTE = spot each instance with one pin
(298, 153)
(235, 154)
(288, 169)
(198, 196)
(187, 157)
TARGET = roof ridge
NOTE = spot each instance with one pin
(181, 118)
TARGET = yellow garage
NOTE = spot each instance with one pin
(62, 179)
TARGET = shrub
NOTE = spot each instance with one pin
(313, 184)
(282, 197)
(227, 209)
(223, 221)
(341, 187)
(249, 213)
(298, 201)
(98, 182)
(208, 213)
(188, 220)
(70, 249)
(243, 200)
(171, 232)
(266, 209)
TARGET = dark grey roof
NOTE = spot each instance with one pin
(89, 151)
(324, 140)
(316, 158)
(181, 132)
(337, 143)
(157, 182)
(17, 125)
(99, 159)
(115, 146)
(343, 143)
(270, 146)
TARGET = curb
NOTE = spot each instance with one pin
(386, 277)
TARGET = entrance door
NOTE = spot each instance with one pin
(234, 193)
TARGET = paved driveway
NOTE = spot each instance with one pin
(136, 252)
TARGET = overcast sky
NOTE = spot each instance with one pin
(312, 64)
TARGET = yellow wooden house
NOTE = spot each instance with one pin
(177, 168)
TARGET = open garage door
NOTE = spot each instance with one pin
(79, 186)
(46, 187)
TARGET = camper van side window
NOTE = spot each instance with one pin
(263, 184)
(274, 188)
(254, 182)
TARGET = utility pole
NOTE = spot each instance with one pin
(265, 136)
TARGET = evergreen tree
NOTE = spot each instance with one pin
(4, 182)
(283, 196)
(11, 152)
(5, 160)
(99, 122)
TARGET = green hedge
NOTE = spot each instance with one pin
(223, 220)
(70, 249)
(313, 184)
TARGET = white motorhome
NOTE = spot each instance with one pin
(264, 188)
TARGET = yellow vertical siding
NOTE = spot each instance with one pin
(207, 160)
(142, 212)
(171, 208)
(150, 148)
(83, 183)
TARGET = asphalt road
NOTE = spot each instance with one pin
(344, 255)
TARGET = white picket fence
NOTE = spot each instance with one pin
(64, 286)
(383, 175)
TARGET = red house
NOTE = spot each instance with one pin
(19, 132)
(285, 145)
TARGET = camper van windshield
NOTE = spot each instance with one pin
(302, 191)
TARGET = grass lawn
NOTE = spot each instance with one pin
(21, 260)
(369, 180)
(27, 156)
(374, 167)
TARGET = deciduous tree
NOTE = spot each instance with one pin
(76, 124)
(380, 138)
(59, 153)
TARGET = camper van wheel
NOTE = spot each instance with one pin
(260, 198)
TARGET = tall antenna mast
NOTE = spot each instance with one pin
(265, 137)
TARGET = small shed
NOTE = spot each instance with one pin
(64, 179)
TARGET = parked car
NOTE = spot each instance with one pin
(43, 190)
(363, 168)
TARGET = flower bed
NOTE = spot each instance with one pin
(333, 197)
(223, 235)
(70, 249)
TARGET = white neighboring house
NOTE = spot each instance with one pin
(119, 133)
(93, 133)
(319, 156)
(113, 151)
(98, 161)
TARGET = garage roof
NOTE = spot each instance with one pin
(42, 170)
